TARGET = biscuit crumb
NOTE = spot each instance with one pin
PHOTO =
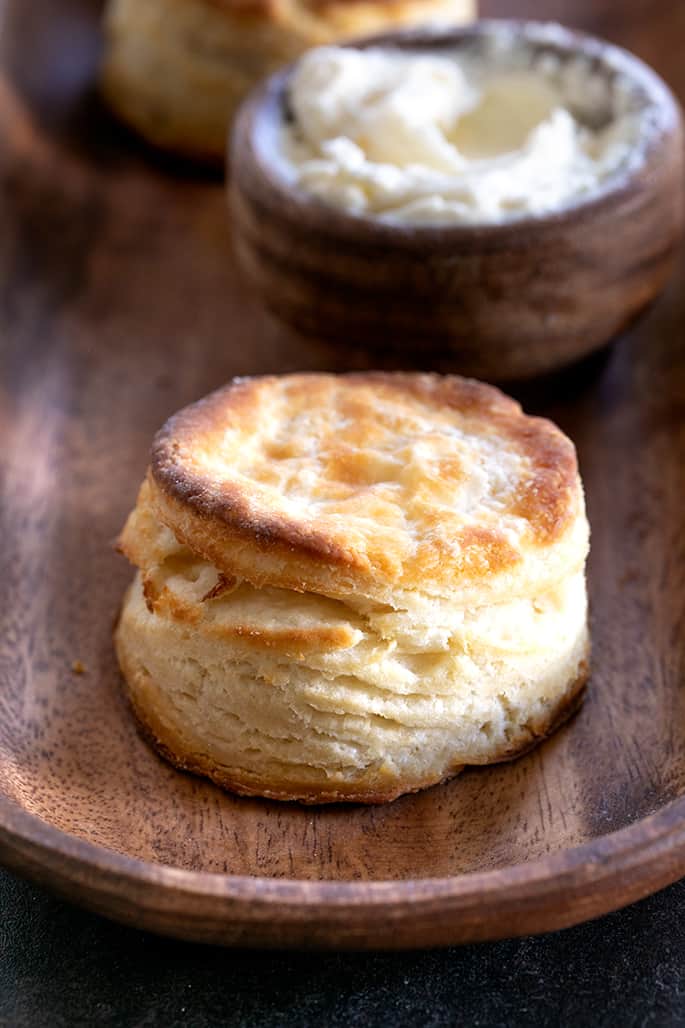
(78, 668)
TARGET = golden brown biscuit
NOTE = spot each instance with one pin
(351, 586)
(176, 70)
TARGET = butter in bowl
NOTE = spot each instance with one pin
(505, 197)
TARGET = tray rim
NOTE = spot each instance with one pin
(564, 888)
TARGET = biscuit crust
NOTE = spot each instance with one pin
(380, 497)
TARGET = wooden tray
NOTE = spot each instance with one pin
(118, 304)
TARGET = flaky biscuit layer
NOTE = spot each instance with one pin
(366, 722)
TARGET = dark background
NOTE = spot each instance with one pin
(60, 966)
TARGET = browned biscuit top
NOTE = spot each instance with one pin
(370, 483)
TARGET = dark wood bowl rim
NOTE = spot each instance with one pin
(265, 104)
(628, 851)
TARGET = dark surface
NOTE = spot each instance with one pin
(60, 966)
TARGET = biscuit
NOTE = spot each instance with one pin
(176, 70)
(350, 587)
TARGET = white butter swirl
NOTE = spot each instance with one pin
(423, 138)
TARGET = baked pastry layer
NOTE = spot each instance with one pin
(177, 69)
(259, 690)
(352, 586)
(397, 487)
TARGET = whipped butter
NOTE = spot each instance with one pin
(452, 137)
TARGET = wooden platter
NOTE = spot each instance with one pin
(119, 302)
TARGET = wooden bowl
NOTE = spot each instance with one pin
(504, 301)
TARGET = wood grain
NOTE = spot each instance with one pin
(119, 303)
(504, 301)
